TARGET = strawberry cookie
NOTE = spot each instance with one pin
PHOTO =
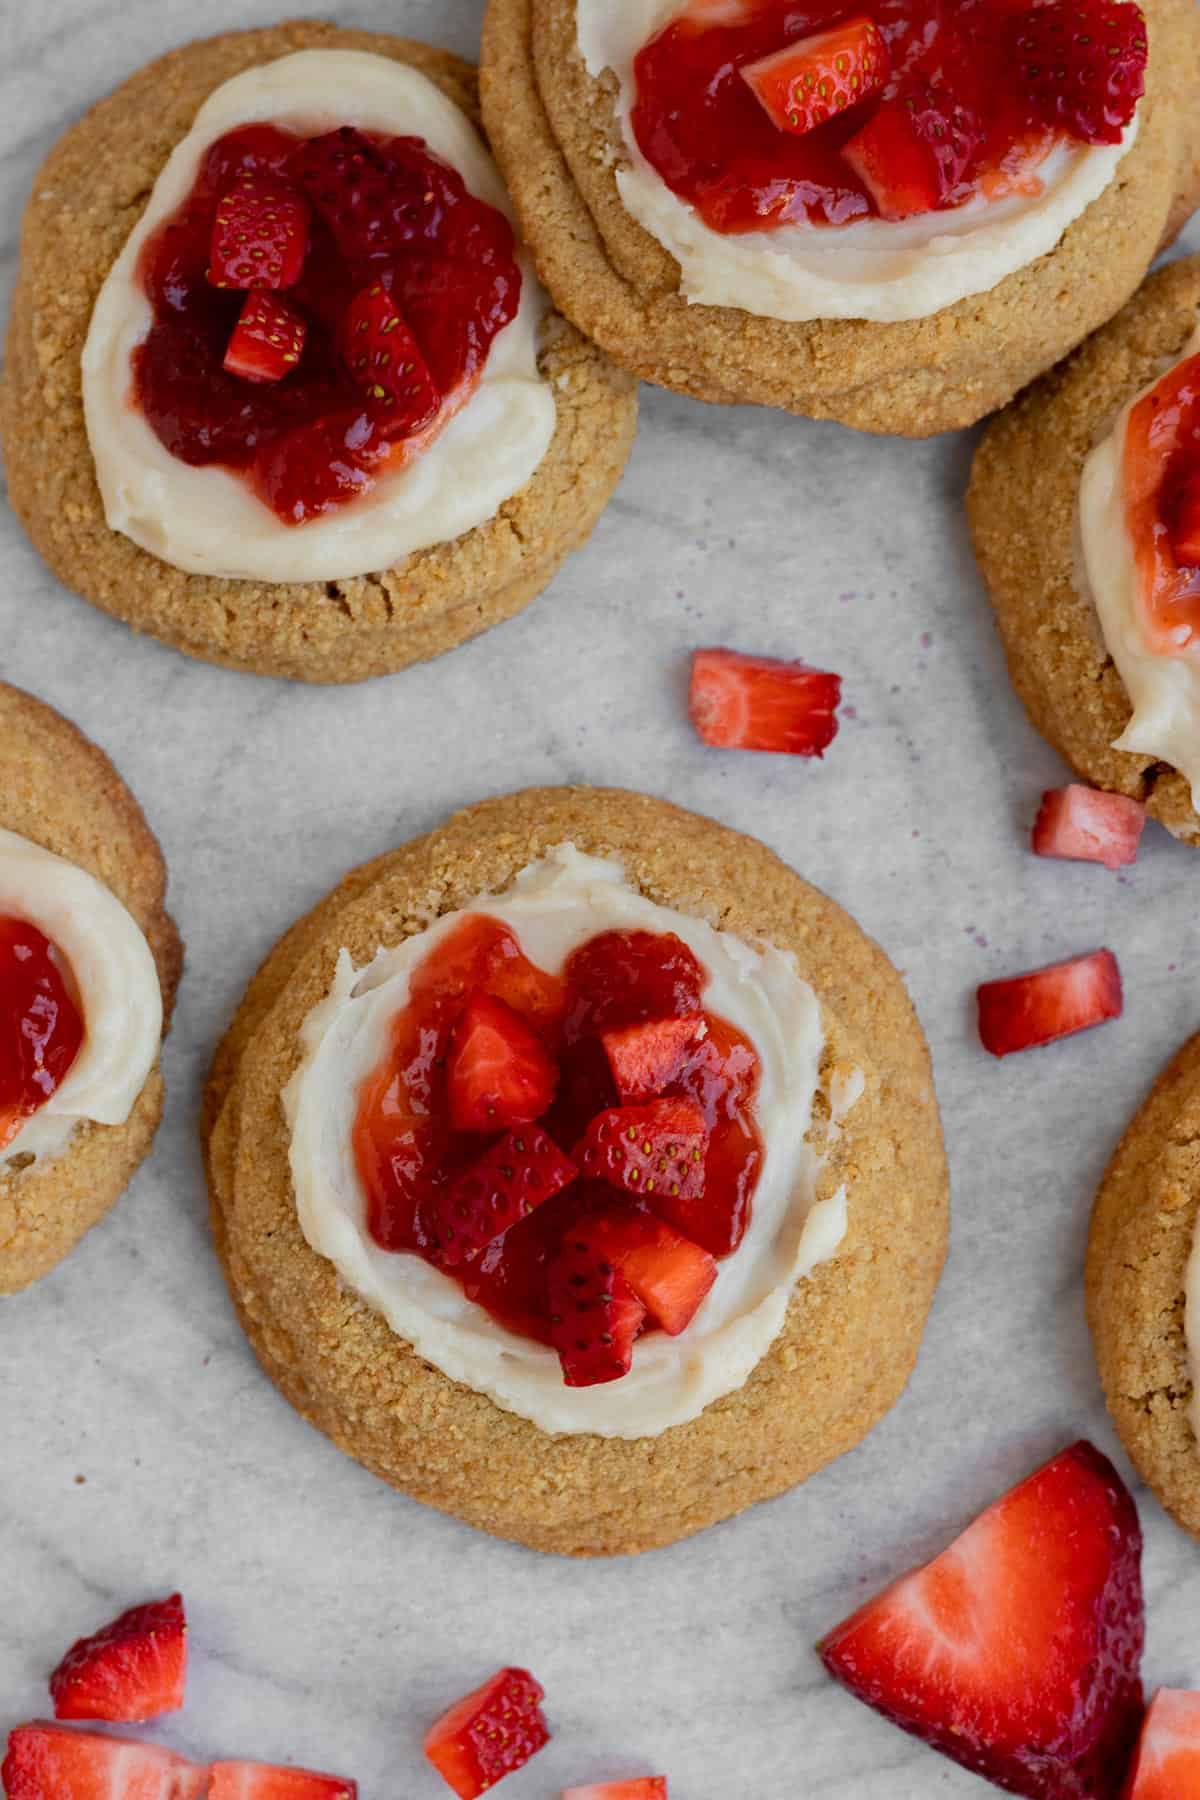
(577, 1168)
(1085, 512)
(1143, 1288)
(89, 962)
(282, 388)
(894, 216)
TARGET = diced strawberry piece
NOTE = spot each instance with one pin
(480, 952)
(505, 1185)
(649, 1787)
(646, 1058)
(259, 235)
(500, 1072)
(658, 1148)
(267, 340)
(1085, 825)
(53, 1762)
(386, 361)
(1185, 524)
(595, 1316)
(1027, 1010)
(623, 977)
(917, 152)
(1017, 1651)
(1083, 64)
(346, 179)
(133, 1669)
(814, 78)
(271, 1781)
(1167, 1764)
(489, 1734)
(670, 1275)
(758, 703)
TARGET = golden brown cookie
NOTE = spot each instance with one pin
(1023, 505)
(552, 128)
(1141, 1237)
(59, 790)
(86, 199)
(852, 1332)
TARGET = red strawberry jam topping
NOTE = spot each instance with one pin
(41, 1028)
(577, 1151)
(763, 113)
(322, 308)
(1162, 506)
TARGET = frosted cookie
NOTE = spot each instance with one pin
(89, 962)
(577, 1169)
(895, 220)
(1085, 512)
(301, 406)
(1143, 1288)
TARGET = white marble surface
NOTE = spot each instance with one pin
(140, 1447)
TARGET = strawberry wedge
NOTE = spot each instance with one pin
(131, 1670)
(273, 1781)
(53, 1762)
(1016, 1652)
(493, 1731)
(645, 1058)
(815, 78)
(1084, 825)
(1167, 1764)
(740, 702)
(499, 1073)
(1027, 1010)
(648, 1787)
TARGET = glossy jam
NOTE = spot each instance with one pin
(41, 1028)
(404, 1147)
(699, 125)
(311, 442)
(1162, 451)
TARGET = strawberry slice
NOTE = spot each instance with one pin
(1083, 64)
(489, 1734)
(646, 1058)
(670, 1275)
(650, 1149)
(649, 1787)
(267, 340)
(1027, 1010)
(1185, 523)
(595, 1315)
(52, 1762)
(259, 235)
(917, 153)
(1167, 1764)
(1084, 825)
(758, 703)
(813, 79)
(131, 1670)
(271, 1781)
(386, 361)
(508, 1182)
(499, 1072)
(1016, 1651)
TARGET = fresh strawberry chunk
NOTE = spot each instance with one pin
(271, 1781)
(646, 1058)
(506, 1184)
(1016, 1652)
(267, 340)
(917, 153)
(489, 1734)
(595, 1316)
(1085, 825)
(758, 703)
(814, 78)
(1185, 522)
(1027, 1010)
(624, 977)
(1167, 1764)
(259, 235)
(500, 1072)
(131, 1670)
(670, 1275)
(386, 361)
(1083, 64)
(658, 1148)
(649, 1787)
(52, 1762)
(482, 953)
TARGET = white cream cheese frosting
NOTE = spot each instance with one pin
(117, 983)
(1164, 691)
(207, 521)
(554, 905)
(872, 268)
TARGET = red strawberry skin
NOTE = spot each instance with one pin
(1167, 1764)
(814, 79)
(1085, 825)
(595, 1316)
(259, 236)
(1083, 63)
(489, 1734)
(917, 153)
(1017, 1651)
(740, 702)
(271, 1781)
(54, 1762)
(670, 1275)
(1029, 1010)
(654, 1149)
(499, 1073)
(133, 1669)
(506, 1184)
(647, 1057)
(267, 341)
(386, 361)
